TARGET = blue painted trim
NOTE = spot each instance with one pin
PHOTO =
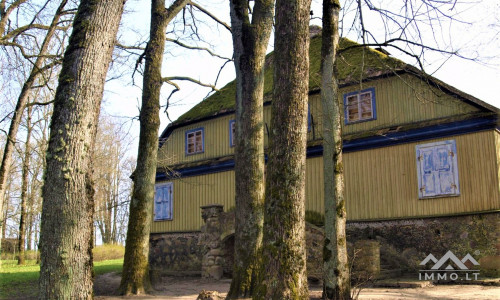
(374, 105)
(231, 122)
(202, 140)
(390, 139)
(420, 134)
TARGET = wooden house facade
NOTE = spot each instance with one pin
(415, 148)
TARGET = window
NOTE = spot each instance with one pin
(194, 141)
(437, 169)
(360, 106)
(163, 201)
(232, 132)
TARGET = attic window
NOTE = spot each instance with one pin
(437, 169)
(360, 106)
(194, 141)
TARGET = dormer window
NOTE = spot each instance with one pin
(195, 141)
(360, 106)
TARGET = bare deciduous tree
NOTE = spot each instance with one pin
(250, 39)
(68, 191)
(336, 279)
(135, 275)
(284, 253)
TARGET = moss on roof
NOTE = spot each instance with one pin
(353, 64)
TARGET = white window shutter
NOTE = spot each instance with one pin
(163, 201)
(437, 169)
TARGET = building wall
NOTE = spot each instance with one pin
(399, 100)
(497, 147)
(381, 183)
(403, 245)
(192, 192)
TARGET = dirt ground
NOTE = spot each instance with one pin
(181, 288)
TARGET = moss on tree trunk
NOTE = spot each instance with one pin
(135, 275)
(250, 43)
(283, 271)
(68, 204)
(336, 280)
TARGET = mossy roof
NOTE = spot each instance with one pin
(355, 63)
(349, 65)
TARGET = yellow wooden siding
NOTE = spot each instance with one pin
(216, 142)
(192, 192)
(497, 147)
(399, 100)
(380, 184)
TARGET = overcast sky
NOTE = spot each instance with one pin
(478, 36)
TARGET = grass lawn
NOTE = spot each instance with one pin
(22, 281)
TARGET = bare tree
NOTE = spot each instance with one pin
(68, 191)
(336, 279)
(135, 275)
(110, 179)
(284, 254)
(250, 39)
(37, 69)
(24, 190)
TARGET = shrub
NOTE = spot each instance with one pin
(107, 252)
(315, 218)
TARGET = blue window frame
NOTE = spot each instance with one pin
(163, 204)
(232, 131)
(437, 169)
(195, 141)
(360, 106)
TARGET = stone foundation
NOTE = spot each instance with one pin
(405, 243)
(402, 244)
(175, 253)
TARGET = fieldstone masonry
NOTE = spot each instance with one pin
(398, 245)
(213, 260)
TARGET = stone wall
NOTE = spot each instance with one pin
(176, 253)
(403, 244)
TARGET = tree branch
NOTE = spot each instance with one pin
(197, 48)
(183, 78)
(206, 12)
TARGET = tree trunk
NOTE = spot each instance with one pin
(135, 275)
(336, 280)
(250, 43)
(24, 191)
(68, 204)
(21, 104)
(284, 248)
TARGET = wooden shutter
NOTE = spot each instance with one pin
(437, 169)
(158, 211)
(163, 201)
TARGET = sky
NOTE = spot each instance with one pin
(476, 36)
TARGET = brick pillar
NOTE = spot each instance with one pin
(213, 260)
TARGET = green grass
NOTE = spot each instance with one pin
(108, 266)
(18, 281)
(22, 281)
